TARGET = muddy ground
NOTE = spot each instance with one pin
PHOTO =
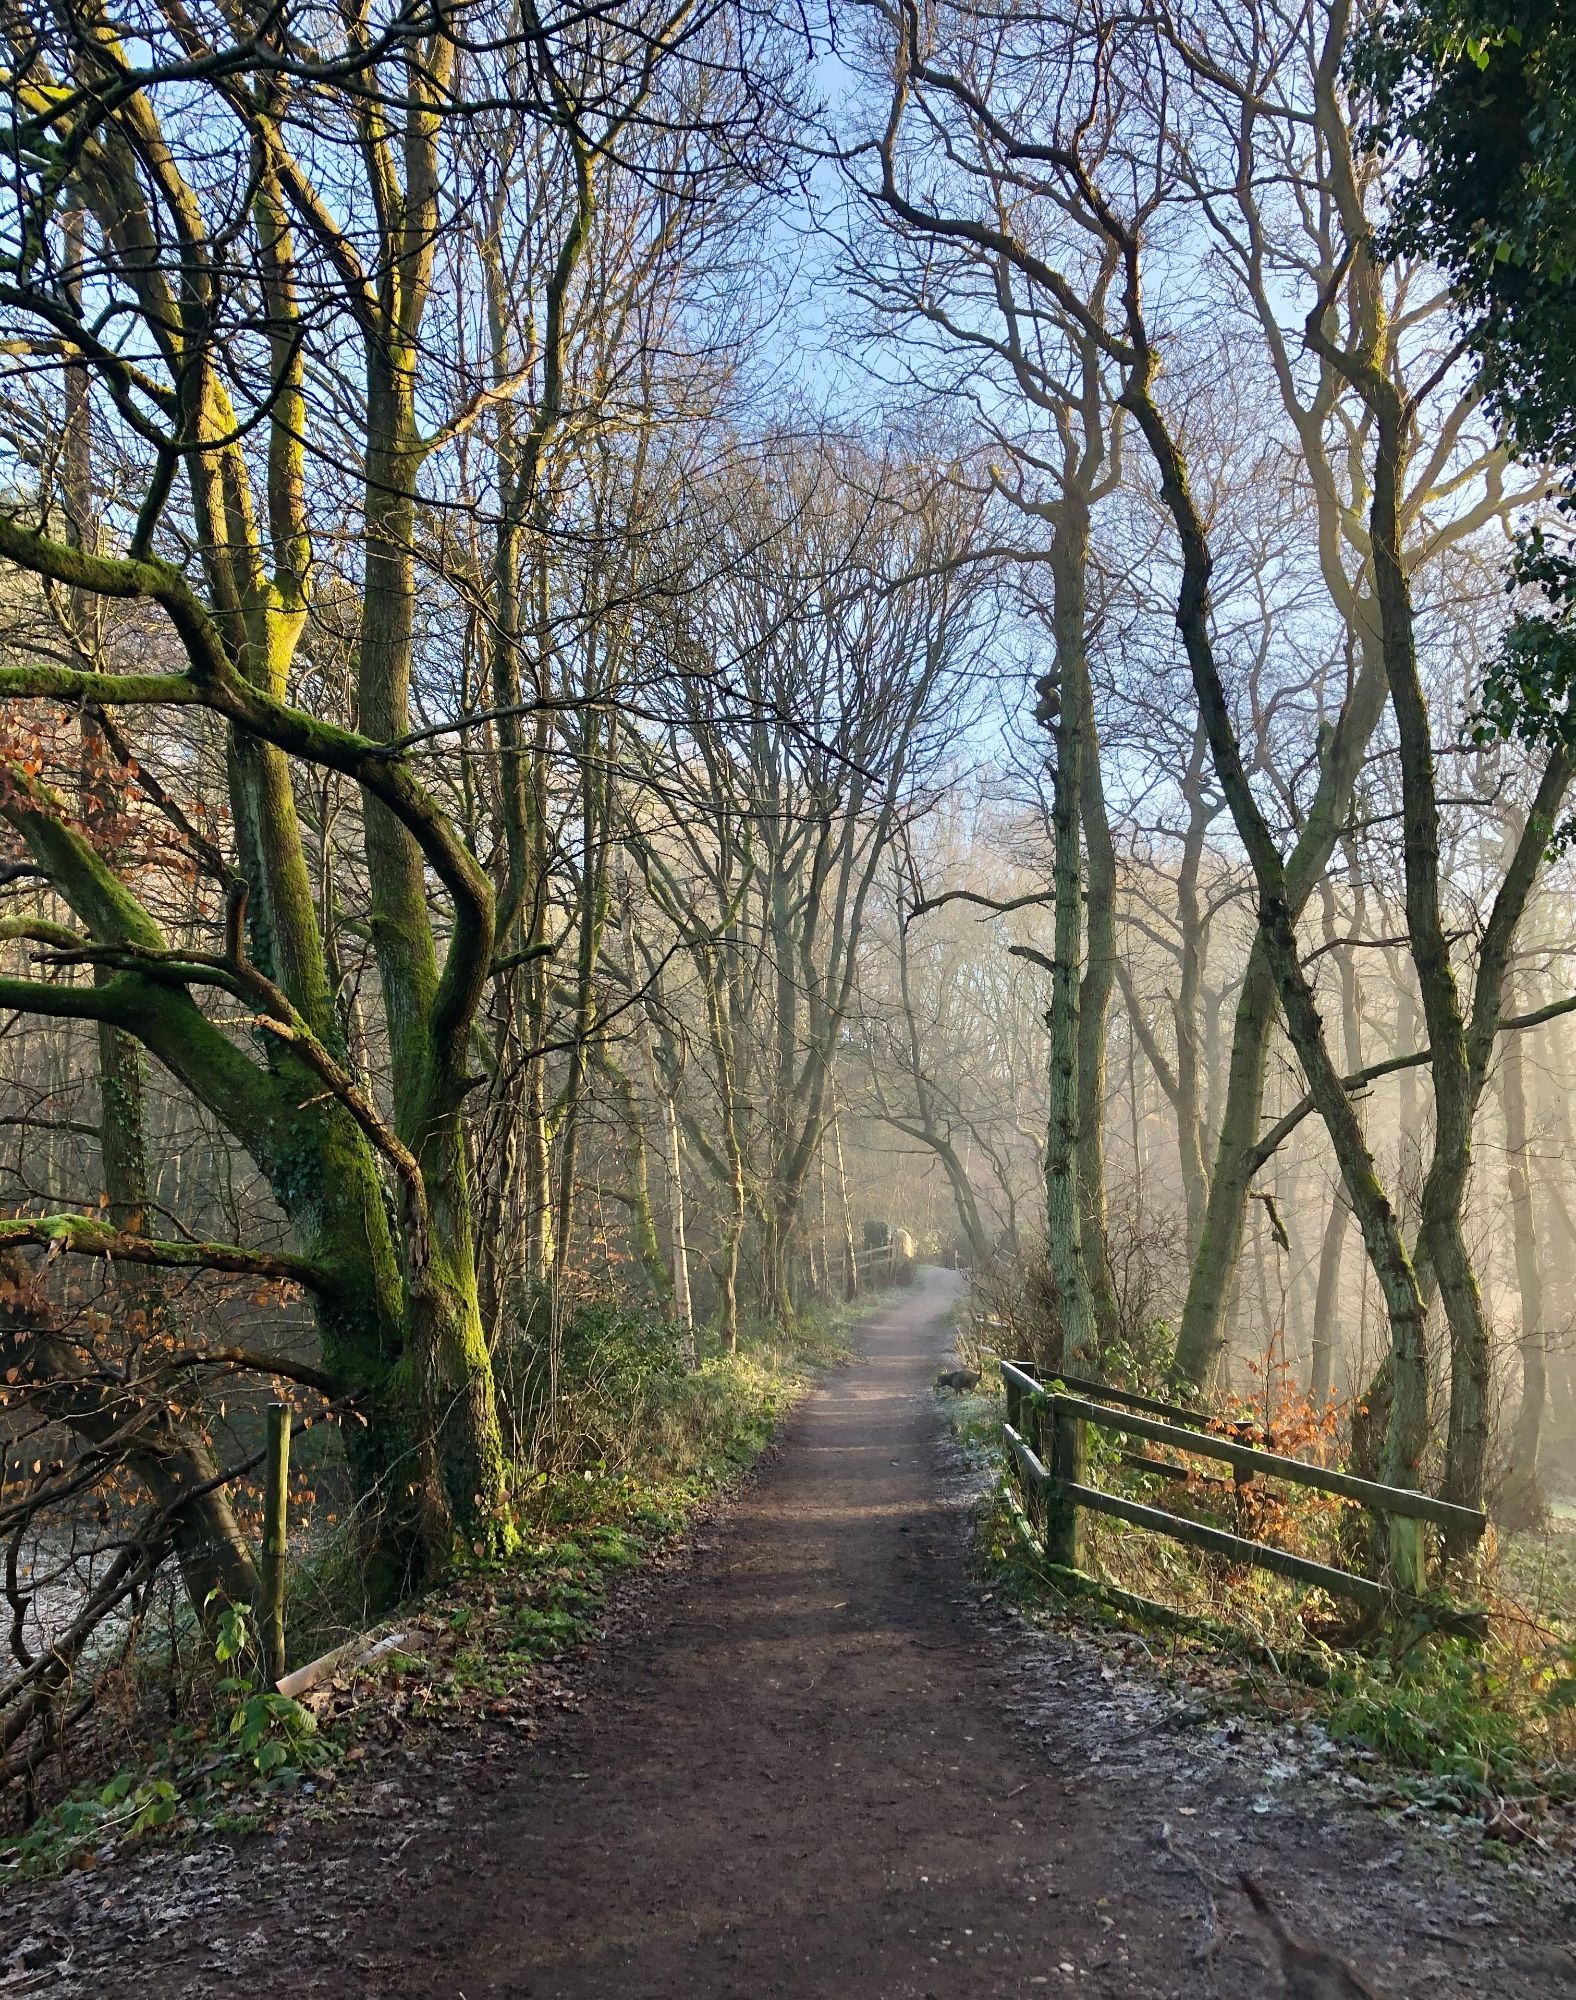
(811, 1761)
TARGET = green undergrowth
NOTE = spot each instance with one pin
(644, 1445)
(1485, 1728)
(230, 1763)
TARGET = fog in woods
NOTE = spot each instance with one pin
(660, 662)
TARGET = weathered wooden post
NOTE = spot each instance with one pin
(1408, 1564)
(276, 1506)
(1069, 1454)
(1013, 1391)
(1037, 1429)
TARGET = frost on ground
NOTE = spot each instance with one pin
(814, 1757)
(1354, 1861)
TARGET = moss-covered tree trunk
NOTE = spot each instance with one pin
(1459, 1047)
(400, 1328)
(1202, 1333)
(1520, 1502)
(1277, 938)
(445, 1374)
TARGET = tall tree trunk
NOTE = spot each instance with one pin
(927, 1129)
(683, 1310)
(447, 1369)
(1202, 1330)
(850, 1259)
(1063, 708)
(1189, 1096)
(1279, 899)
(524, 748)
(594, 901)
(1327, 1302)
(728, 1161)
(1521, 1503)
(1094, 1012)
(1326, 1331)
(1458, 1052)
(660, 1278)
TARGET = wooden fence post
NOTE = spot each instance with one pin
(1408, 1567)
(1042, 1442)
(1014, 1417)
(1056, 1493)
(276, 1505)
(1063, 1531)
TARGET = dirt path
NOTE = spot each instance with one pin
(814, 1769)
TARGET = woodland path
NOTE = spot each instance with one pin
(816, 1765)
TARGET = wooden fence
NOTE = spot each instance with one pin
(879, 1258)
(871, 1265)
(1046, 1439)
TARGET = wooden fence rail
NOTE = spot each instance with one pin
(870, 1262)
(1046, 1432)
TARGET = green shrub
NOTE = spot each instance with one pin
(580, 1391)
